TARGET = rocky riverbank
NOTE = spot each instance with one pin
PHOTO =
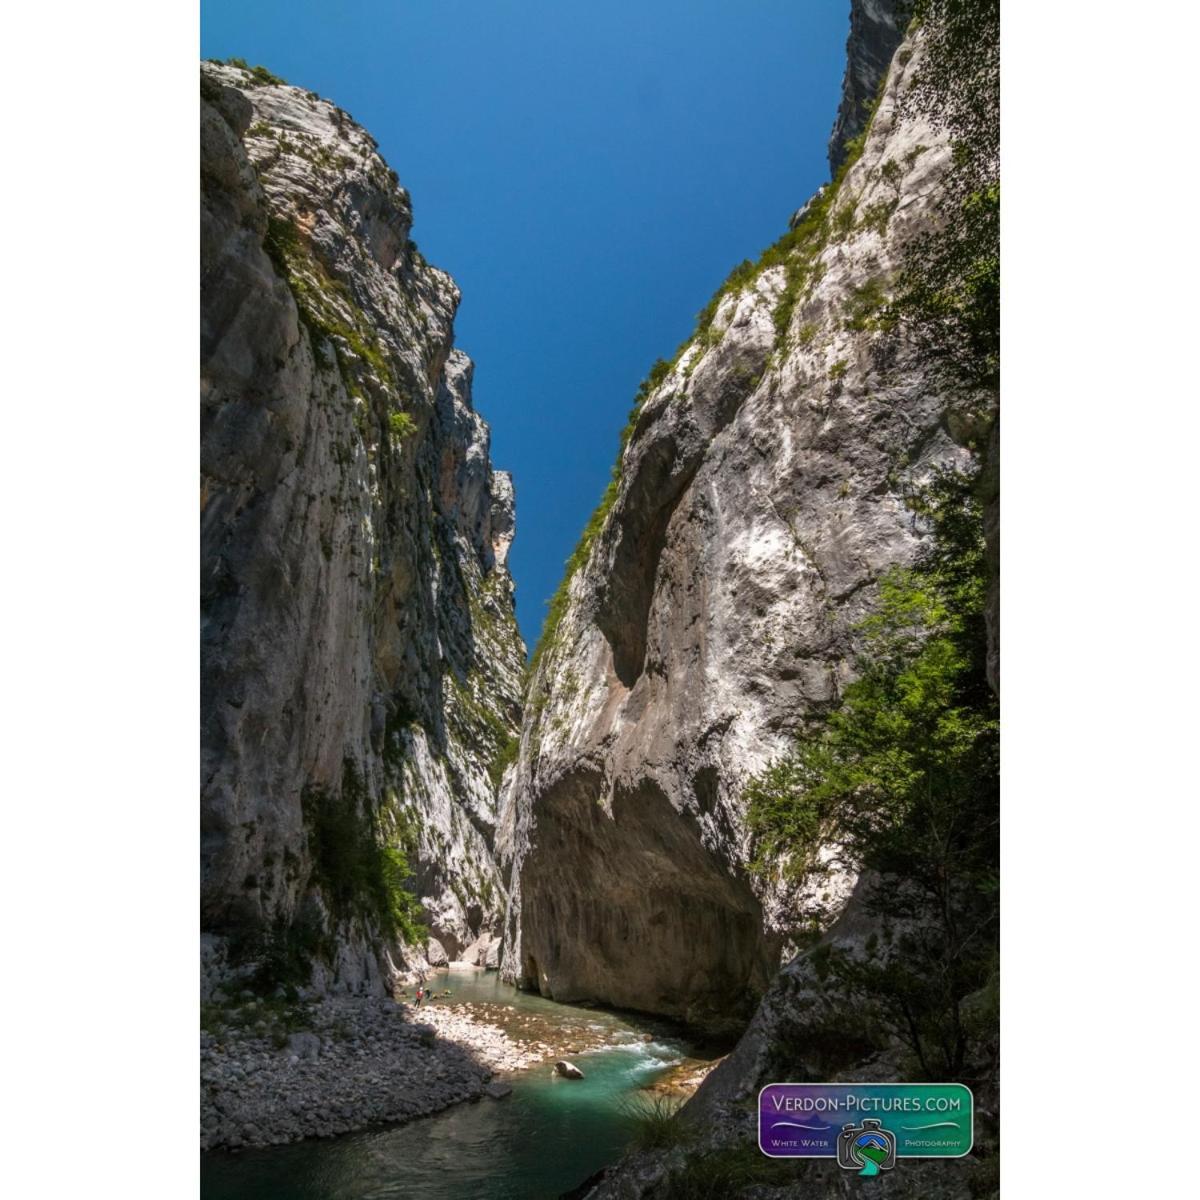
(271, 1073)
(682, 1080)
(470, 1027)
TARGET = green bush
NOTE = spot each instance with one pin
(843, 219)
(260, 74)
(280, 951)
(320, 301)
(358, 875)
(505, 757)
(402, 425)
(407, 920)
(876, 216)
(282, 1016)
(866, 307)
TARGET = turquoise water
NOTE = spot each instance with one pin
(544, 1139)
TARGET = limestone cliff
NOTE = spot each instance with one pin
(876, 27)
(804, 502)
(760, 496)
(361, 665)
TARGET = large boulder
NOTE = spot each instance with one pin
(492, 958)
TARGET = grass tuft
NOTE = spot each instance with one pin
(656, 1121)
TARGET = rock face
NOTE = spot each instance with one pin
(876, 27)
(361, 665)
(760, 498)
(722, 1114)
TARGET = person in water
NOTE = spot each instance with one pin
(420, 993)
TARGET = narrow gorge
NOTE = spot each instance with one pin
(389, 786)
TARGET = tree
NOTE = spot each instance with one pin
(904, 778)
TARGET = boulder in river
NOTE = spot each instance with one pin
(567, 1070)
(491, 959)
(498, 1091)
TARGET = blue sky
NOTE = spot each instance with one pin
(588, 172)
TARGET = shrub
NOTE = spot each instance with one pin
(402, 425)
(557, 604)
(865, 310)
(404, 909)
(321, 302)
(505, 757)
(843, 219)
(358, 875)
(876, 216)
(260, 75)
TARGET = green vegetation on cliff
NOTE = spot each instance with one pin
(260, 76)
(948, 297)
(904, 778)
(359, 874)
(329, 313)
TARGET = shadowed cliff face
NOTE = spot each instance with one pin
(361, 665)
(761, 498)
(615, 896)
(876, 29)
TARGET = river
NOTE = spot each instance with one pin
(544, 1139)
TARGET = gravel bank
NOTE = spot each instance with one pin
(269, 1076)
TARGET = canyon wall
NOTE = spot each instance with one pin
(876, 27)
(713, 604)
(361, 664)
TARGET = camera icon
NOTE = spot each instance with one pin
(868, 1143)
